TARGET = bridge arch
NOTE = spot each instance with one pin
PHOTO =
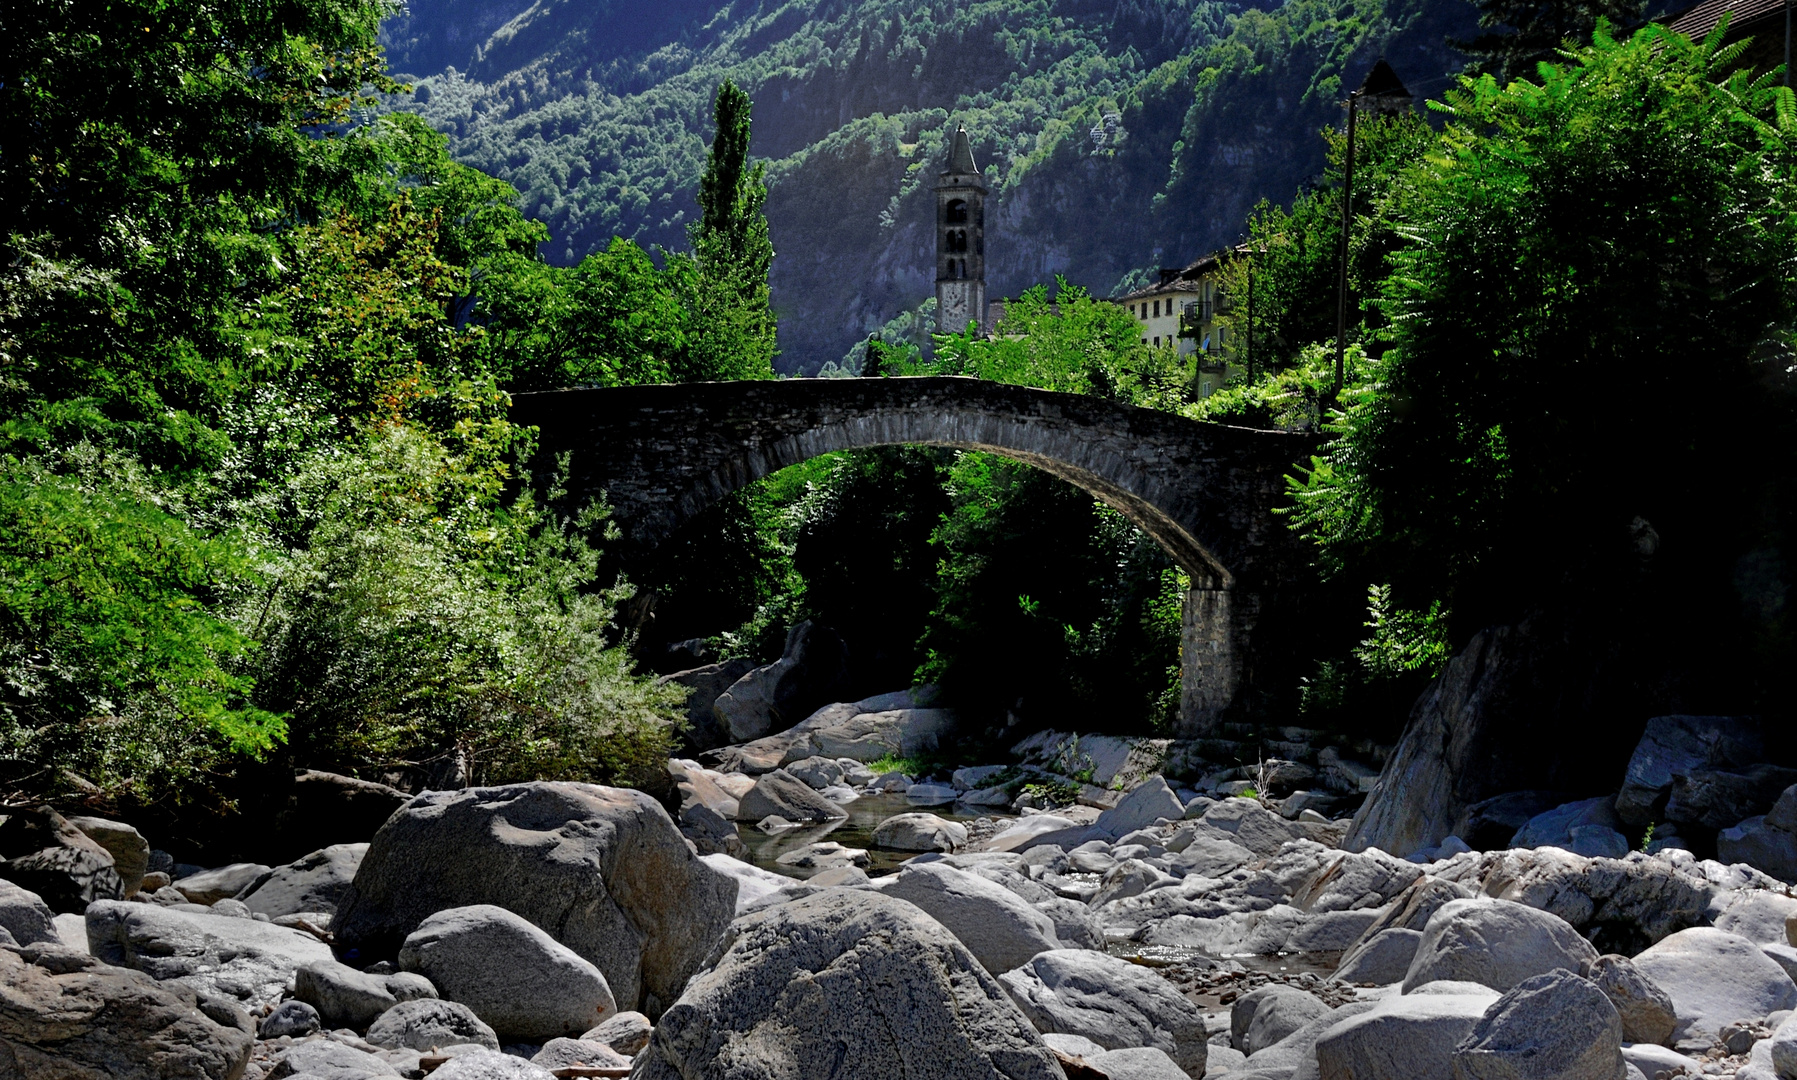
(1205, 492)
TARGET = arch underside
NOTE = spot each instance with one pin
(1103, 468)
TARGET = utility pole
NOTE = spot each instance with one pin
(1250, 343)
(1383, 92)
(1341, 295)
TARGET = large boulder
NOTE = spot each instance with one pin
(1622, 904)
(1645, 1011)
(317, 882)
(919, 832)
(1296, 1055)
(327, 1059)
(1494, 943)
(1761, 844)
(1715, 978)
(812, 670)
(129, 850)
(1522, 707)
(1147, 803)
(1555, 1026)
(25, 916)
(490, 1065)
(1567, 825)
(422, 1023)
(870, 736)
(780, 794)
(523, 983)
(1382, 960)
(1110, 1001)
(220, 882)
(245, 960)
(65, 1016)
(602, 870)
(1717, 799)
(997, 926)
(704, 685)
(47, 855)
(845, 981)
(1674, 746)
(343, 996)
(1267, 1016)
(1409, 1037)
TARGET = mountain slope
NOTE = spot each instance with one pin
(1116, 134)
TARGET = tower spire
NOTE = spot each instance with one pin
(960, 240)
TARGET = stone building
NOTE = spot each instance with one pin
(1183, 311)
(960, 241)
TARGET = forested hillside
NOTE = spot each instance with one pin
(1117, 134)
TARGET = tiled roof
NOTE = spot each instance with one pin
(1187, 278)
(1699, 20)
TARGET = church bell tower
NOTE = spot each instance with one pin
(960, 241)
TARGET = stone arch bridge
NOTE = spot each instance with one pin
(1206, 492)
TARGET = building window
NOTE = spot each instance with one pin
(957, 212)
(1157, 309)
(1157, 342)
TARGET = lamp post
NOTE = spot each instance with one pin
(1383, 92)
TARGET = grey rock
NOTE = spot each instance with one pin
(931, 794)
(1495, 943)
(604, 868)
(129, 850)
(523, 983)
(1138, 1063)
(52, 858)
(779, 793)
(561, 1053)
(996, 926)
(328, 1060)
(1264, 1017)
(869, 736)
(72, 930)
(1295, 1056)
(1652, 1059)
(1110, 1001)
(711, 832)
(824, 855)
(1554, 827)
(819, 772)
(241, 959)
(703, 685)
(1678, 745)
(1628, 903)
(1785, 956)
(1644, 1010)
(1147, 803)
(919, 832)
(757, 888)
(64, 1016)
(210, 886)
(25, 916)
(1715, 978)
(1783, 1049)
(317, 882)
(974, 777)
(1555, 1026)
(1409, 1037)
(343, 996)
(811, 671)
(1718, 799)
(424, 1023)
(1210, 857)
(490, 1065)
(1383, 959)
(1331, 931)
(295, 1019)
(1355, 880)
(1511, 712)
(788, 994)
(1493, 823)
(1783, 814)
(626, 1033)
(1760, 845)
(1251, 825)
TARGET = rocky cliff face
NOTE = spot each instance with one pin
(1115, 136)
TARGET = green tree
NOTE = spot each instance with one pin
(1585, 338)
(735, 333)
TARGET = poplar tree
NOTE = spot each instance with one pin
(735, 334)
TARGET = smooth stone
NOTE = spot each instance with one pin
(998, 927)
(244, 960)
(1715, 978)
(1549, 1027)
(1402, 1037)
(919, 832)
(316, 882)
(1495, 943)
(1112, 1002)
(211, 886)
(424, 1023)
